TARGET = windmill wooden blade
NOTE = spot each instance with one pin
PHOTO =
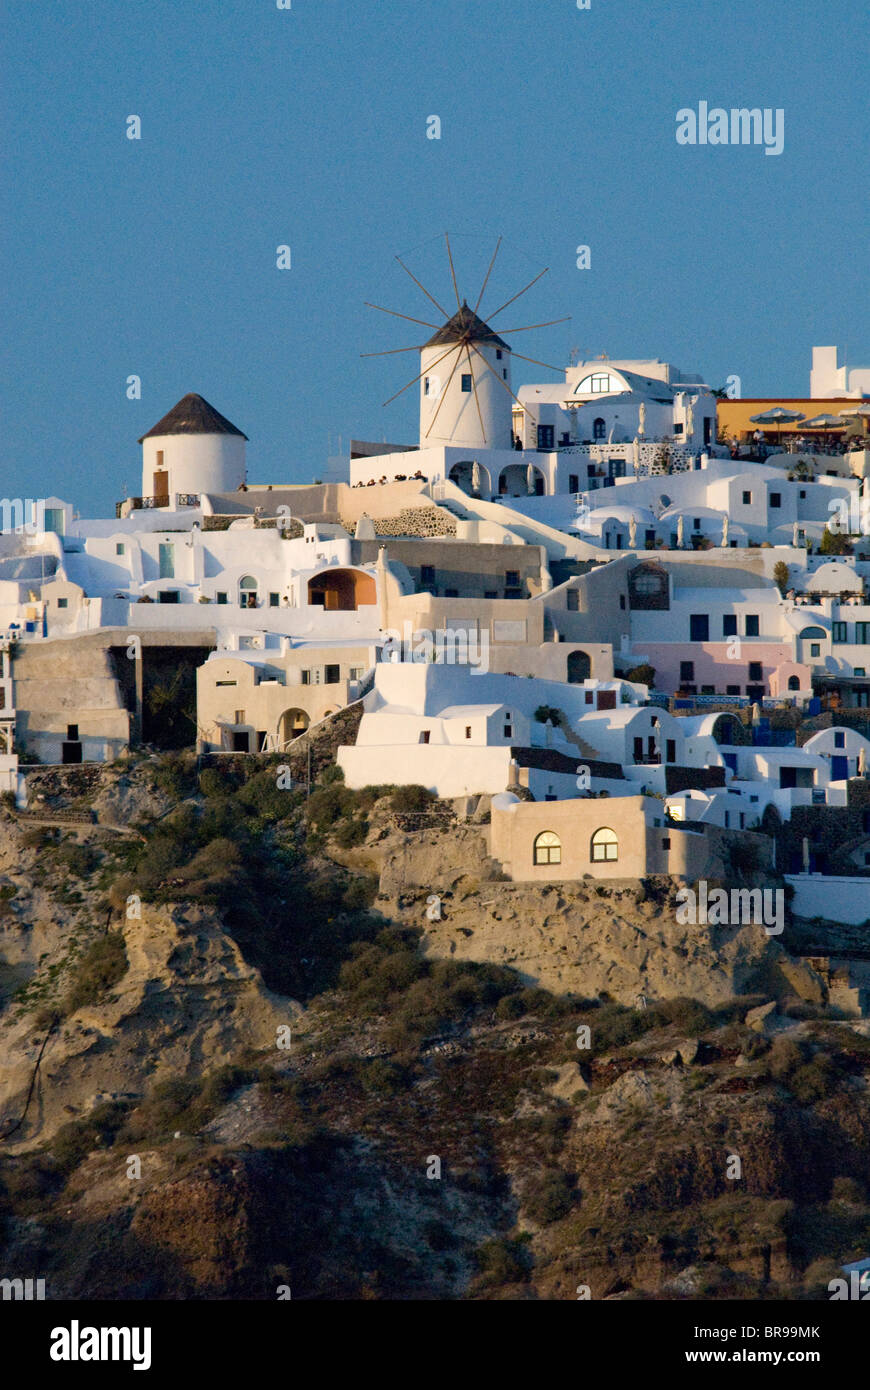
(536, 362)
(488, 273)
(423, 373)
(517, 296)
(529, 326)
(446, 388)
(390, 351)
(397, 315)
(501, 382)
(423, 288)
(452, 271)
(476, 398)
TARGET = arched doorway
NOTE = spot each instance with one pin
(292, 723)
(579, 667)
(514, 481)
(469, 472)
(341, 591)
(247, 591)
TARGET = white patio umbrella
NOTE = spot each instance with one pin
(725, 523)
(475, 476)
(641, 418)
(795, 540)
(777, 415)
(756, 714)
(690, 422)
(824, 422)
(530, 480)
(862, 761)
(635, 453)
(632, 531)
(680, 522)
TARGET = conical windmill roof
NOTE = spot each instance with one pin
(466, 324)
(193, 415)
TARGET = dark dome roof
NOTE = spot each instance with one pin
(193, 415)
(466, 324)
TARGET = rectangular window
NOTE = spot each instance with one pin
(306, 677)
(732, 690)
(747, 499)
(670, 750)
(815, 649)
(755, 670)
(861, 631)
(468, 731)
(120, 548)
(687, 670)
(678, 428)
(839, 632)
(512, 578)
(466, 381)
(239, 717)
(331, 675)
(696, 523)
(840, 738)
(424, 735)
(751, 624)
(225, 682)
(546, 435)
(708, 690)
(573, 482)
(159, 458)
(508, 731)
(63, 603)
(427, 575)
(274, 600)
(168, 595)
(638, 749)
(699, 627)
(72, 732)
(498, 354)
(666, 842)
(426, 386)
(776, 499)
(166, 559)
(572, 600)
(221, 598)
(729, 625)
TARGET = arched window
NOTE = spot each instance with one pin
(598, 384)
(605, 845)
(548, 848)
(599, 428)
(247, 591)
(794, 683)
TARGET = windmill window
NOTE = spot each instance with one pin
(426, 390)
(605, 846)
(466, 381)
(498, 353)
(548, 848)
(504, 373)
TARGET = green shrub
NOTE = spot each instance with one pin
(412, 798)
(502, 1261)
(97, 970)
(548, 1196)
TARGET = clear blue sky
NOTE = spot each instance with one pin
(308, 127)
